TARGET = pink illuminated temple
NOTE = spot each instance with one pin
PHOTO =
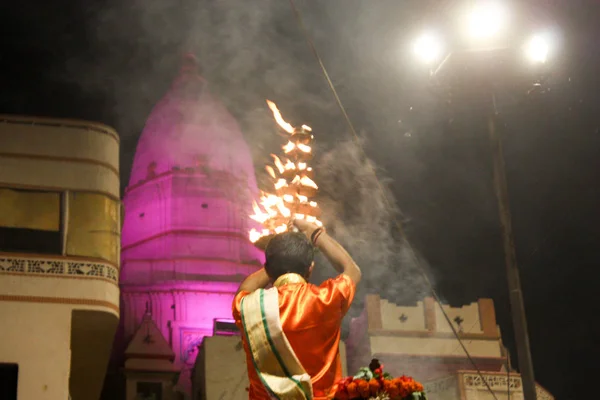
(185, 244)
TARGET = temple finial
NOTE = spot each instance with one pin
(190, 64)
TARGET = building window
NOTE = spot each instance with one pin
(30, 221)
(9, 378)
(94, 226)
(148, 391)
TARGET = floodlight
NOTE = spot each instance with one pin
(537, 48)
(487, 19)
(428, 48)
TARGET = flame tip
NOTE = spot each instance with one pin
(274, 210)
(279, 119)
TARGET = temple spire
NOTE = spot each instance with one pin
(190, 65)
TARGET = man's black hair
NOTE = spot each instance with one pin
(289, 252)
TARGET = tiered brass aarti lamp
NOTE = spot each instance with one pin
(294, 188)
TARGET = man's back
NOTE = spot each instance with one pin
(311, 318)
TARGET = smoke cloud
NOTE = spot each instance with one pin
(248, 54)
(361, 214)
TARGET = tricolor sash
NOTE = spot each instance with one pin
(275, 361)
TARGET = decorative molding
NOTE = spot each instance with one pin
(79, 160)
(60, 123)
(205, 232)
(483, 361)
(56, 267)
(496, 382)
(245, 263)
(15, 185)
(433, 334)
(501, 382)
(216, 177)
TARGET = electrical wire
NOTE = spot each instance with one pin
(356, 138)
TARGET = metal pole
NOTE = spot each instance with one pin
(512, 271)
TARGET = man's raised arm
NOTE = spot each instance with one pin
(256, 280)
(331, 249)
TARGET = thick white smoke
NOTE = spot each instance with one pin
(362, 217)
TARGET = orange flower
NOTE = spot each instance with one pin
(363, 388)
(386, 384)
(352, 389)
(403, 391)
(374, 386)
(398, 388)
(392, 390)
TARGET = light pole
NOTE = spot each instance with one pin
(517, 305)
(486, 21)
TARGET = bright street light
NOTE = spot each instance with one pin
(486, 20)
(428, 48)
(537, 48)
(486, 25)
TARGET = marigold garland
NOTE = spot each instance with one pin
(371, 383)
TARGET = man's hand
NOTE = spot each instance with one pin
(332, 250)
(256, 280)
(304, 226)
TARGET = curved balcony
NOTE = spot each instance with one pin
(59, 254)
(59, 280)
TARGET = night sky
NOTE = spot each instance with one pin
(112, 61)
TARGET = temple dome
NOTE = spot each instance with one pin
(191, 187)
(188, 127)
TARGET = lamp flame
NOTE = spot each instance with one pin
(291, 183)
(270, 171)
(280, 121)
(278, 163)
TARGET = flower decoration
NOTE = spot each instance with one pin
(372, 383)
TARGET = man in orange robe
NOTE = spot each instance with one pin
(309, 317)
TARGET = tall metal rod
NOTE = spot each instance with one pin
(512, 270)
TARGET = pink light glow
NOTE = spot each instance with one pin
(192, 182)
(184, 239)
(189, 128)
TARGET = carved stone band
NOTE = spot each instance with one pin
(58, 267)
(501, 383)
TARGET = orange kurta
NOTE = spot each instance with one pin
(311, 318)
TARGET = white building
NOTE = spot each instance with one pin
(59, 256)
(418, 341)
